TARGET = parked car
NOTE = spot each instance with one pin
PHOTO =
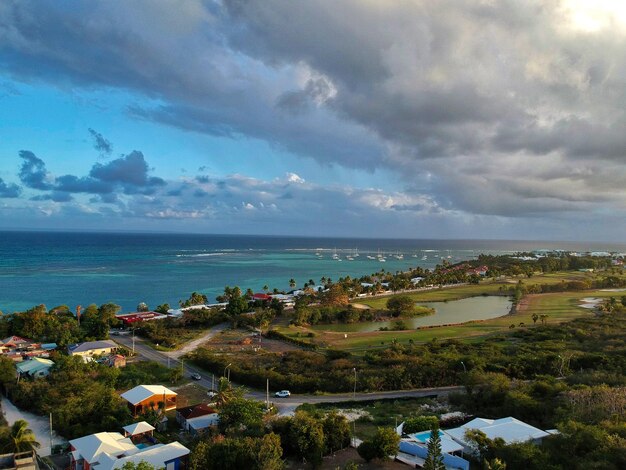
(196, 376)
(212, 393)
(283, 394)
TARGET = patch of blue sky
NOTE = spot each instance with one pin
(53, 123)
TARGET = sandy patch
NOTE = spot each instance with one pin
(590, 302)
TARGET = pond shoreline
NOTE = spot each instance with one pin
(449, 313)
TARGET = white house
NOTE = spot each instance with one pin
(92, 348)
(111, 450)
(509, 429)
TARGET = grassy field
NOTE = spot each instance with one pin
(560, 307)
(484, 288)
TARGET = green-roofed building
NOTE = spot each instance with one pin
(35, 367)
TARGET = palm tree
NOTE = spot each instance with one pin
(292, 283)
(20, 438)
(266, 288)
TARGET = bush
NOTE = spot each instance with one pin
(419, 423)
(367, 451)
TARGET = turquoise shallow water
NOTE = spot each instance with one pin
(81, 268)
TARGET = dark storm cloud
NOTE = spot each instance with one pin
(128, 174)
(9, 190)
(131, 171)
(487, 106)
(100, 143)
(74, 184)
(33, 171)
(56, 196)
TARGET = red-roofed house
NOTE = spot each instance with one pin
(260, 296)
(197, 418)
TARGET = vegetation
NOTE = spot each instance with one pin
(383, 445)
(434, 459)
(18, 438)
(84, 397)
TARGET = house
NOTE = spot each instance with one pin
(197, 418)
(35, 367)
(414, 454)
(130, 318)
(261, 297)
(509, 429)
(146, 397)
(416, 280)
(92, 348)
(19, 349)
(111, 450)
(116, 360)
(21, 460)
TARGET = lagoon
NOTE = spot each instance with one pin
(454, 311)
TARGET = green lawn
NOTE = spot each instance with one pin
(487, 287)
(559, 307)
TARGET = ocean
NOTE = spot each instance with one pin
(55, 268)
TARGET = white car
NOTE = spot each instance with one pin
(283, 394)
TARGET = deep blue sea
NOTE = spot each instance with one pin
(56, 268)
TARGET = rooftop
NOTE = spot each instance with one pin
(143, 392)
(509, 429)
(90, 345)
(194, 411)
(138, 428)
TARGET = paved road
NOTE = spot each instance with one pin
(284, 404)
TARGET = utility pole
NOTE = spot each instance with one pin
(354, 392)
(133, 341)
(267, 395)
(78, 309)
(50, 433)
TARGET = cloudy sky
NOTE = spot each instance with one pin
(417, 119)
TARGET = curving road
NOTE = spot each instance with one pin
(284, 404)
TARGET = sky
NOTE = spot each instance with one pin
(359, 118)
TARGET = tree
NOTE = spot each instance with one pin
(194, 299)
(163, 308)
(535, 317)
(419, 423)
(20, 438)
(143, 465)
(241, 415)
(336, 432)
(7, 370)
(292, 283)
(495, 464)
(269, 453)
(306, 435)
(142, 307)
(334, 296)
(434, 459)
(400, 305)
(386, 442)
